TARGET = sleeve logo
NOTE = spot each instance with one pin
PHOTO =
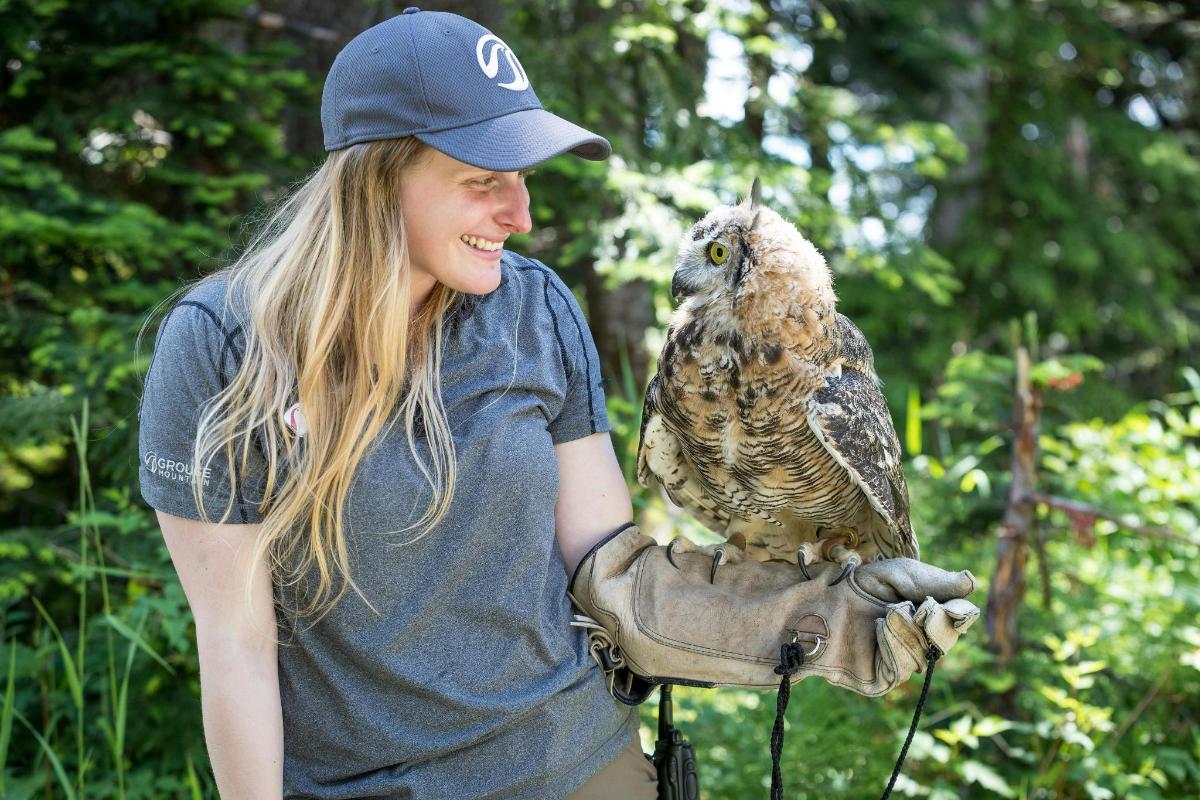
(171, 469)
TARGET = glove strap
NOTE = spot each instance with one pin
(931, 657)
(791, 658)
(623, 683)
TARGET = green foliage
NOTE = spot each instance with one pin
(1072, 200)
(960, 165)
(104, 208)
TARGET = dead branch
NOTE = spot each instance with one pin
(1078, 509)
(1039, 547)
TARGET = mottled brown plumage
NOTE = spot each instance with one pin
(765, 420)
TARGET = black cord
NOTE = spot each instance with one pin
(931, 657)
(791, 658)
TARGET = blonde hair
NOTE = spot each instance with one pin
(327, 285)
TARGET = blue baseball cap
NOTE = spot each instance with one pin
(451, 83)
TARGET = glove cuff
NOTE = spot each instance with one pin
(621, 545)
(583, 562)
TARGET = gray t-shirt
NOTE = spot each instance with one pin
(471, 683)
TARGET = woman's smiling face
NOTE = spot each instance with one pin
(456, 218)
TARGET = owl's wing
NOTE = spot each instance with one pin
(851, 419)
(853, 347)
(660, 456)
(649, 410)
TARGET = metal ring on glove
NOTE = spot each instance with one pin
(796, 640)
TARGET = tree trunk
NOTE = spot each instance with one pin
(302, 124)
(1012, 544)
(965, 110)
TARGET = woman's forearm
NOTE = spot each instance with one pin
(243, 721)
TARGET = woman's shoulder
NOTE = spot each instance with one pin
(211, 299)
(528, 272)
(549, 307)
(536, 283)
(206, 322)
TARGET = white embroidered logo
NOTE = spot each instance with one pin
(172, 470)
(294, 419)
(491, 67)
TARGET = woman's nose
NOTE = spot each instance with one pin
(514, 210)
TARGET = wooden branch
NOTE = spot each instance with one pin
(1142, 705)
(1074, 507)
(271, 21)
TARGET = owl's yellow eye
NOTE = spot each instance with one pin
(718, 253)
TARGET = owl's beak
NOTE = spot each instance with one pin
(736, 274)
(679, 290)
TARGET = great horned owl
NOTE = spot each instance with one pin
(765, 420)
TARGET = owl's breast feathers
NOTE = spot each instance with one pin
(760, 368)
(731, 401)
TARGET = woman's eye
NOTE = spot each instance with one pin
(718, 253)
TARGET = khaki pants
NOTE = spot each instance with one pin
(630, 776)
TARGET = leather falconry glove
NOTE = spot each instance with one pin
(653, 619)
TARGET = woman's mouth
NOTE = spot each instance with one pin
(481, 245)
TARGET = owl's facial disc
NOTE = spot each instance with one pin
(713, 256)
(695, 267)
(712, 267)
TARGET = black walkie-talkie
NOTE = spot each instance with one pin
(673, 756)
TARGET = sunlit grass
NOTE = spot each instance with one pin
(79, 703)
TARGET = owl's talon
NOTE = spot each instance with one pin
(670, 553)
(803, 565)
(846, 570)
(718, 560)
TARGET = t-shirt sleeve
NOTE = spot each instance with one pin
(196, 352)
(583, 411)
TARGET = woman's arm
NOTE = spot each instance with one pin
(593, 499)
(239, 680)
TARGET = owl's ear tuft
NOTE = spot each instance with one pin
(755, 194)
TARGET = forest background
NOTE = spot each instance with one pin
(1007, 193)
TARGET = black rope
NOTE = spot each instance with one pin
(931, 657)
(791, 658)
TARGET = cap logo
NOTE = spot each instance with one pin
(491, 66)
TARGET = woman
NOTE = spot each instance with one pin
(376, 396)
